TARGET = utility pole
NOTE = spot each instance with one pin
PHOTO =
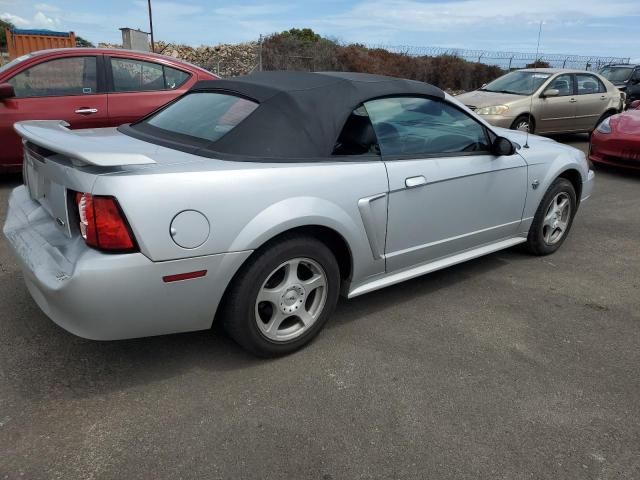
(153, 47)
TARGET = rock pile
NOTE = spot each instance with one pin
(225, 60)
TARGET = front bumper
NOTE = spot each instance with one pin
(111, 296)
(587, 186)
(498, 120)
(616, 150)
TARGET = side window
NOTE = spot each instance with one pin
(588, 84)
(563, 84)
(56, 78)
(635, 77)
(174, 77)
(137, 75)
(420, 126)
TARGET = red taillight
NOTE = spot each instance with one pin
(102, 223)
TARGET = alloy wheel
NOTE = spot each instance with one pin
(556, 219)
(291, 299)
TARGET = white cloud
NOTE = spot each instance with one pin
(39, 20)
(15, 19)
(443, 15)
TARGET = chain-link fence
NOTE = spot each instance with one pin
(508, 60)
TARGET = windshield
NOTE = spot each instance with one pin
(616, 74)
(518, 83)
(13, 62)
(203, 115)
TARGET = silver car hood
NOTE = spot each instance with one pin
(104, 147)
(479, 99)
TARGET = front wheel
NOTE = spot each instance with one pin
(282, 297)
(553, 219)
(524, 123)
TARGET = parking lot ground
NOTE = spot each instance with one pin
(506, 367)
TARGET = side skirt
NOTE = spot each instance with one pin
(422, 269)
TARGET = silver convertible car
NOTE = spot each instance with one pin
(259, 200)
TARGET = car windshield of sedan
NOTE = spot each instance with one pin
(517, 83)
(203, 115)
(616, 74)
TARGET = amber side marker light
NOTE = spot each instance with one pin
(184, 276)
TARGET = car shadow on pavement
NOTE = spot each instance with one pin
(620, 172)
(395, 295)
(45, 361)
(10, 180)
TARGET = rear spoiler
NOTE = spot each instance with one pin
(55, 136)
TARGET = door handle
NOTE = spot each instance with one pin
(603, 97)
(87, 111)
(413, 182)
(573, 100)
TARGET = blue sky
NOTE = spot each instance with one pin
(582, 27)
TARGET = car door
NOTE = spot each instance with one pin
(447, 192)
(138, 87)
(65, 88)
(593, 101)
(557, 113)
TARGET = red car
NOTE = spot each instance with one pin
(87, 87)
(616, 141)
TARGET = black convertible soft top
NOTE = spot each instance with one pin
(301, 114)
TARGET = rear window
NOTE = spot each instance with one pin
(204, 115)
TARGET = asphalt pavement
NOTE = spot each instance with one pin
(506, 367)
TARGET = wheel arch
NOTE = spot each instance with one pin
(529, 115)
(575, 178)
(333, 239)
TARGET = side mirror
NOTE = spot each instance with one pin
(6, 91)
(483, 85)
(551, 92)
(635, 105)
(502, 146)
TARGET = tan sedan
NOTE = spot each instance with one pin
(546, 100)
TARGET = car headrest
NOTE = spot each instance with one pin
(358, 131)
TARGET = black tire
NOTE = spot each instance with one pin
(536, 243)
(524, 118)
(239, 311)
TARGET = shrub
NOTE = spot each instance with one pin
(302, 49)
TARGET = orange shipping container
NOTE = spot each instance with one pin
(23, 41)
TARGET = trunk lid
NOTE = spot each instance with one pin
(59, 162)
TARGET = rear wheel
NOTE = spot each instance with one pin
(524, 123)
(553, 219)
(282, 298)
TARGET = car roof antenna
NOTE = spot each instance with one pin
(535, 67)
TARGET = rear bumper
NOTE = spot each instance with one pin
(109, 297)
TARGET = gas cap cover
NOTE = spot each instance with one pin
(189, 229)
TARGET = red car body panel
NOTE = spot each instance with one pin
(621, 147)
(111, 108)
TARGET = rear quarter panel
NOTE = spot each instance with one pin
(247, 204)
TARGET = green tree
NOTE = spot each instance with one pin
(302, 34)
(3, 36)
(83, 42)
